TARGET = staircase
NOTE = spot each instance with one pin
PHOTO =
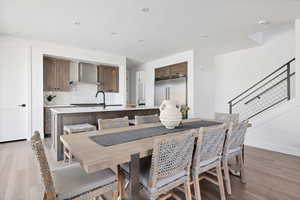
(275, 88)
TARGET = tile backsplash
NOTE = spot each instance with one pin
(81, 93)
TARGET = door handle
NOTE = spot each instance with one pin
(22, 105)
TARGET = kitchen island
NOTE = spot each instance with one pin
(79, 115)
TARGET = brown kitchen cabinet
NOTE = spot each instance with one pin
(56, 74)
(171, 71)
(108, 78)
(178, 70)
(162, 73)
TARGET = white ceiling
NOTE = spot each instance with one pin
(169, 27)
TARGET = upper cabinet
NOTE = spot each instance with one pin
(172, 71)
(56, 74)
(162, 73)
(178, 70)
(108, 78)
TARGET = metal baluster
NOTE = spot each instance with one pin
(288, 79)
(230, 107)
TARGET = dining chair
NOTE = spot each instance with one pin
(169, 166)
(71, 182)
(208, 157)
(113, 123)
(146, 119)
(234, 148)
(71, 129)
(227, 117)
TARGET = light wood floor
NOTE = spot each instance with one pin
(270, 176)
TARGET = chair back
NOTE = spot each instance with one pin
(210, 145)
(172, 155)
(113, 123)
(227, 117)
(38, 149)
(236, 136)
(146, 119)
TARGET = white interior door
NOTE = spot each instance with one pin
(13, 93)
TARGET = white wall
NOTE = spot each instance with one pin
(38, 49)
(131, 83)
(277, 129)
(237, 71)
(149, 68)
(204, 84)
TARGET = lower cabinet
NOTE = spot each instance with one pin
(47, 121)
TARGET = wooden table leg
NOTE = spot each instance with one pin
(134, 193)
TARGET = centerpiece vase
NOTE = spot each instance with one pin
(170, 115)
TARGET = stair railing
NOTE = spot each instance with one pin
(265, 94)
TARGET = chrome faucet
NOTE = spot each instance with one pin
(101, 91)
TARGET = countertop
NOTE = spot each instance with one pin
(57, 105)
(73, 110)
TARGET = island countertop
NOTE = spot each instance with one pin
(74, 110)
(79, 115)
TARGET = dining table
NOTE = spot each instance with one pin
(109, 148)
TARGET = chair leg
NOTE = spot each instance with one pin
(197, 187)
(49, 196)
(115, 195)
(70, 157)
(237, 160)
(121, 183)
(220, 181)
(65, 157)
(227, 176)
(187, 189)
(242, 168)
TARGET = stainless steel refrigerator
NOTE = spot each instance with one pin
(171, 89)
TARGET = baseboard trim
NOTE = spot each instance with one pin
(276, 148)
(4, 142)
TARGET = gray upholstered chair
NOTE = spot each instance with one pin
(234, 148)
(227, 117)
(208, 156)
(71, 182)
(113, 123)
(169, 166)
(146, 119)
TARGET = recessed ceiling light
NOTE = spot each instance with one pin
(263, 22)
(145, 9)
(141, 40)
(77, 23)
